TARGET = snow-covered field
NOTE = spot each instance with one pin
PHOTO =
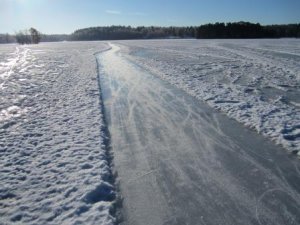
(256, 82)
(54, 166)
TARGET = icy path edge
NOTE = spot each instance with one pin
(106, 143)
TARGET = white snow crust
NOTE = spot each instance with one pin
(256, 82)
(54, 166)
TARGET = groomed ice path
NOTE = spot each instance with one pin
(181, 162)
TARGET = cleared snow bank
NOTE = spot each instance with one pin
(54, 165)
(256, 82)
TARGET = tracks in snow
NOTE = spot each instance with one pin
(54, 167)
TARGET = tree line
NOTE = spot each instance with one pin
(7, 38)
(247, 30)
(32, 36)
(206, 31)
(128, 32)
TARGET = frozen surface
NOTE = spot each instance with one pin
(256, 82)
(54, 168)
(181, 162)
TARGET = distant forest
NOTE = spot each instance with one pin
(207, 31)
(217, 30)
(247, 30)
(7, 38)
(127, 32)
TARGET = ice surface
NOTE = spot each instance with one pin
(179, 161)
(54, 167)
(256, 82)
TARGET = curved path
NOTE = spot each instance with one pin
(181, 162)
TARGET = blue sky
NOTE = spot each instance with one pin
(65, 16)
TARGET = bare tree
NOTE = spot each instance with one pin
(23, 37)
(35, 35)
(31, 36)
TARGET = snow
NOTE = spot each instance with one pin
(54, 165)
(256, 82)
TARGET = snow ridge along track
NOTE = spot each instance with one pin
(54, 165)
(107, 141)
